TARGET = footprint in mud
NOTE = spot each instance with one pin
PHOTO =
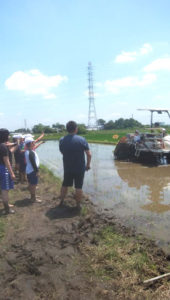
(23, 202)
(63, 211)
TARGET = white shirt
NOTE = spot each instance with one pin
(29, 167)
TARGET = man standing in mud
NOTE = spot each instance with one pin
(73, 148)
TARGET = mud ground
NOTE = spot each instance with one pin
(40, 255)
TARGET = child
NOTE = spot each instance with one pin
(22, 164)
(6, 173)
(32, 165)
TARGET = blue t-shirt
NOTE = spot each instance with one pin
(72, 147)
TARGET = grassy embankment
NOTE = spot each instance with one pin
(100, 136)
(116, 255)
(125, 261)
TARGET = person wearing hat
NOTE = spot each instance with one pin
(6, 173)
(136, 136)
(32, 167)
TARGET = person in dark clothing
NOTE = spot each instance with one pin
(73, 148)
(22, 163)
(6, 173)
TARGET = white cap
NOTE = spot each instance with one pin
(15, 136)
(28, 135)
(29, 140)
(18, 136)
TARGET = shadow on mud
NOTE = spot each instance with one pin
(61, 212)
(23, 202)
(2, 214)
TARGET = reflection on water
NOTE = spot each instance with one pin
(138, 195)
(156, 179)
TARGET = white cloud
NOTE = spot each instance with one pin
(132, 56)
(114, 86)
(159, 64)
(33, 82)
(145, 49)
(98, 84)
(125, 57)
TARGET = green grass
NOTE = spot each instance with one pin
(2, 228)
(100, 136)
(84, 211)
(118, 255)
(48, 175)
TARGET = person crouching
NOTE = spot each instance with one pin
(32, 168)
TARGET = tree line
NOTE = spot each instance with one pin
(102, 125)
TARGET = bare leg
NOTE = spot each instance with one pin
(32, 189)
(78, 197)
(63, 193)
(5, 200)
(23, 177)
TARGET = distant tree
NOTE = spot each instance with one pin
(48, 129)
(122, 124)
(119, 124)
(131, 123)
(109, 125)
(81, 128)
(38, 128)
(101, 122)
(58, 127)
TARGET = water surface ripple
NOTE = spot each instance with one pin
(138, 195)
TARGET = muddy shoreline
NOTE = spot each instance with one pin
(50, 252)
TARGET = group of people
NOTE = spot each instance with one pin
(26, 162)
(72, 146)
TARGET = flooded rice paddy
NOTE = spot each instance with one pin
(139, 196)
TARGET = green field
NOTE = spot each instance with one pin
(100, 136)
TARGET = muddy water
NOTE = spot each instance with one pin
(139, 196)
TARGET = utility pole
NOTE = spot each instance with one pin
(92, 118)
(25, 124)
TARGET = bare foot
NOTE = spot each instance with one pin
(38, 200)
(35, 200)
(9, 211)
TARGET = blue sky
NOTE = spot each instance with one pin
(45, 50)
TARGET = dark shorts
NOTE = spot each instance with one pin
(32, 178)
(6, 182)
(77, 178)
(22, 166)
(16, 156)
(22, 163)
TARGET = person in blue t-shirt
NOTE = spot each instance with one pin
(73, 148)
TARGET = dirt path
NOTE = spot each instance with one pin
(40, 255)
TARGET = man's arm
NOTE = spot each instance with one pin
(60, 145)
(88, 156)
(37, 145)
(40, 137)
